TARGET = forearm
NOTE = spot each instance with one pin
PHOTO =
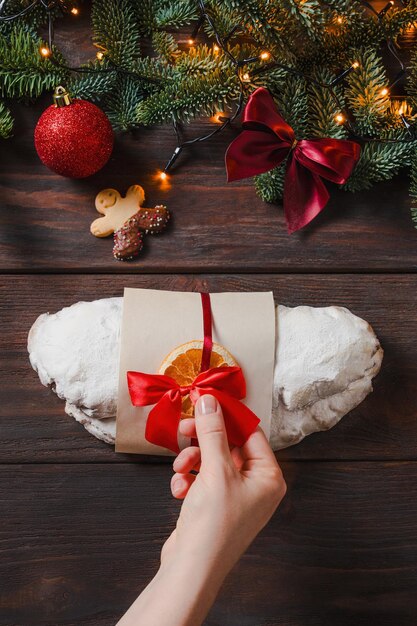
(180, 594)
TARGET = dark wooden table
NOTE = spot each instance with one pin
(82, 527)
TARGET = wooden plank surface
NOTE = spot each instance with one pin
(78, 542)
(81, 526)
(45, 219)
(35, 428)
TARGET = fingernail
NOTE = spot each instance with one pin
(206, 405)
(177, 486)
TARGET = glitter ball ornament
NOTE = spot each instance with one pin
(73, 138)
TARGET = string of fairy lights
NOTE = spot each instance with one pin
(244, 75)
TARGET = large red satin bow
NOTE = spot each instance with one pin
(267, 140)
(227, 384)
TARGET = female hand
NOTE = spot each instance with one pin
(225, 506)
(231, 498)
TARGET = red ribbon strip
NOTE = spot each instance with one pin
(227, 384)
(267, 140)
(207, 330)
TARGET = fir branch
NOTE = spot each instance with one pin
(323, 109)
(365, 94)
(121, 104)
(154, 70)
(270, 185)
(413, 186)
(96, 84)
(292, 102)
(23, 71)
(309, 14)
(116, 30)
(225, 19)
(411, 84)
(165, 46)
(176, 13)
(200, 61)
(145, 15)
(258, 18)
(378, 161)
(192, 97)
(6, 122)
(33, 19)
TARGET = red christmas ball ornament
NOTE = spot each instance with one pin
(73, 138)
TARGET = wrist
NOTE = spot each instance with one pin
(194, 568)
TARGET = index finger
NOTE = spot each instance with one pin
(257, 449)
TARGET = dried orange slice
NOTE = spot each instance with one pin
(183, 365)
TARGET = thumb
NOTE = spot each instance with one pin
(211, 431)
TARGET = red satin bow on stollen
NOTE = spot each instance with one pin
(267, 140)
(227, 384)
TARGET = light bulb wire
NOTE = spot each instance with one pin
(222, 43)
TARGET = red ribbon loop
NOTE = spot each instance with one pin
(227, 384)
(267, 140)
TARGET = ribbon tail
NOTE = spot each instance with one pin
(240, 421)
(163, 421)
(305, 195)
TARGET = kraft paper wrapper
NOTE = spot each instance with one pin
(155, 322)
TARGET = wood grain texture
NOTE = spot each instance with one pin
(78, 542)
(35, 428)
(82, 527)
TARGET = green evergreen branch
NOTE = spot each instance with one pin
(323, 109)
(365, 92)
(192, 97)
(95, 85)
(121, 104)
(200, 61)
(378, 161)
(270, 185)
(165, 46)
(116, 30)
(6, 122)
(413, 186)
(176, 13)
(292, 102)
(23, 71)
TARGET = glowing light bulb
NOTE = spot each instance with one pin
(74, 11)
(339, 20)
(246, 77)
(355, 65)
(191, 42)
(216, 49)
(340, 118)
(219, 117)
(384, 91)
(100, 55)
(163, 175)
(265, 55)
(45, 52)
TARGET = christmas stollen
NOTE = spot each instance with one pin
(324, 364)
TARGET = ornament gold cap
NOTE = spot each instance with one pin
(61, 97)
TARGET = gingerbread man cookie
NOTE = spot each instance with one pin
(115, 209)
(128, 220)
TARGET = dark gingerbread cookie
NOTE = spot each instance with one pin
(128, 240)
(154, 220)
